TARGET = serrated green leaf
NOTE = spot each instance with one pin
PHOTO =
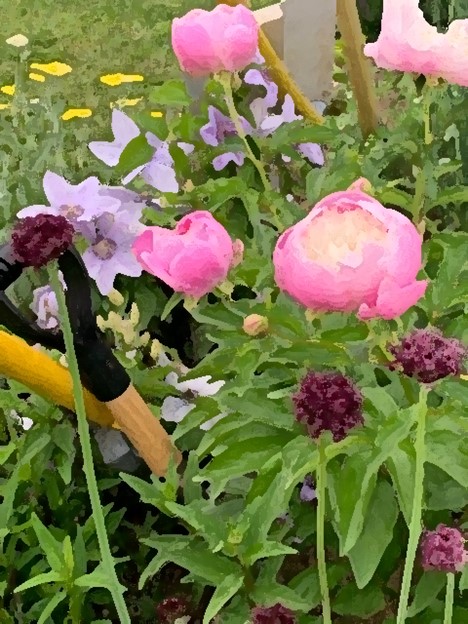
(376, 535)
(51, 547)
(97, 578)
(224, 591)
(270, 593)
(63, 435)
(47, 577)
(55, 600)
(151, 493)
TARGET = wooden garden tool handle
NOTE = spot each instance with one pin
(280, 74)
(47, 378)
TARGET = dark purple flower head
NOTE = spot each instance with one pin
(170, 609)
(427, 355)
(328, 402)
(273, 615)
(443, 549)
(37, 240)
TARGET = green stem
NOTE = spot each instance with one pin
(450, 590)
(321, 504)
(416, 512)
(85, 439)
(225, 79)
(421, 179)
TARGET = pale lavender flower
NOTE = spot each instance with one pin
(124, 130)
(308, 492)
(78, 203)
(219, 126)
(45, 306)
(110, 251)
(158, 172)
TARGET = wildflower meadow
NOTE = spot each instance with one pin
(233, 324)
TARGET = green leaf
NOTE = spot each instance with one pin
(5, 451)
(192, 490)
(46, 577)
(55, 600)
(443, 492)
(138, 152)
(359, 602)
(376, 535)
(173, 93)
(151, 493)
(192, 554)
(463, 583)
(401, 466)
(426, 591)
(67, 554)
(63, 435)
(174, 301)
(298, 132)
(97, 578)
(224, 591)
(271, 592)
(449, 452)
(51, 547)
(352, 483)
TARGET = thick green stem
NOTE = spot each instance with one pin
(85, 439)
(421, 179)
(416, 513)
(321, 505)
(225, 79)
(449, 592)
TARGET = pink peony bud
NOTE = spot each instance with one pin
(192, 259)
(255, 325)
(206, 42)
(408, 43)
(351, 253)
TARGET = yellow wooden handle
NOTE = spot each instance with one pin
(280, 75)
(42, 375)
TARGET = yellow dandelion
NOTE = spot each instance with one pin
(56, 68)
(71, 113)
(114, 80)
(156, 114)
(125, 102)
(8, 89)
(37, 77)
(4, 106)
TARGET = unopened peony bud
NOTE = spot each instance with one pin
(255, 325)
(273, 615)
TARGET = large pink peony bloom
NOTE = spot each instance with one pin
(406, 41)
(206, 42)
(351, 253)
(193, 258)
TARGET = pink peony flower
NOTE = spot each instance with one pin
(206, 42)
(193, 258)
(351, 253)
(408, 43)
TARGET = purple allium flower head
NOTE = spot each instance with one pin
(44, 305)
(443, 549)
(308, 492)
(170, 609)
(428, 356)
(77, 203)
(328, 402)
(37, 240)
(273, 615)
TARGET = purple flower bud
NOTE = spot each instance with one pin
(443, 549)
(37, 240)
(328, 402)
(307, 493)
(273, 615)
(170, 609)
(427, 355)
